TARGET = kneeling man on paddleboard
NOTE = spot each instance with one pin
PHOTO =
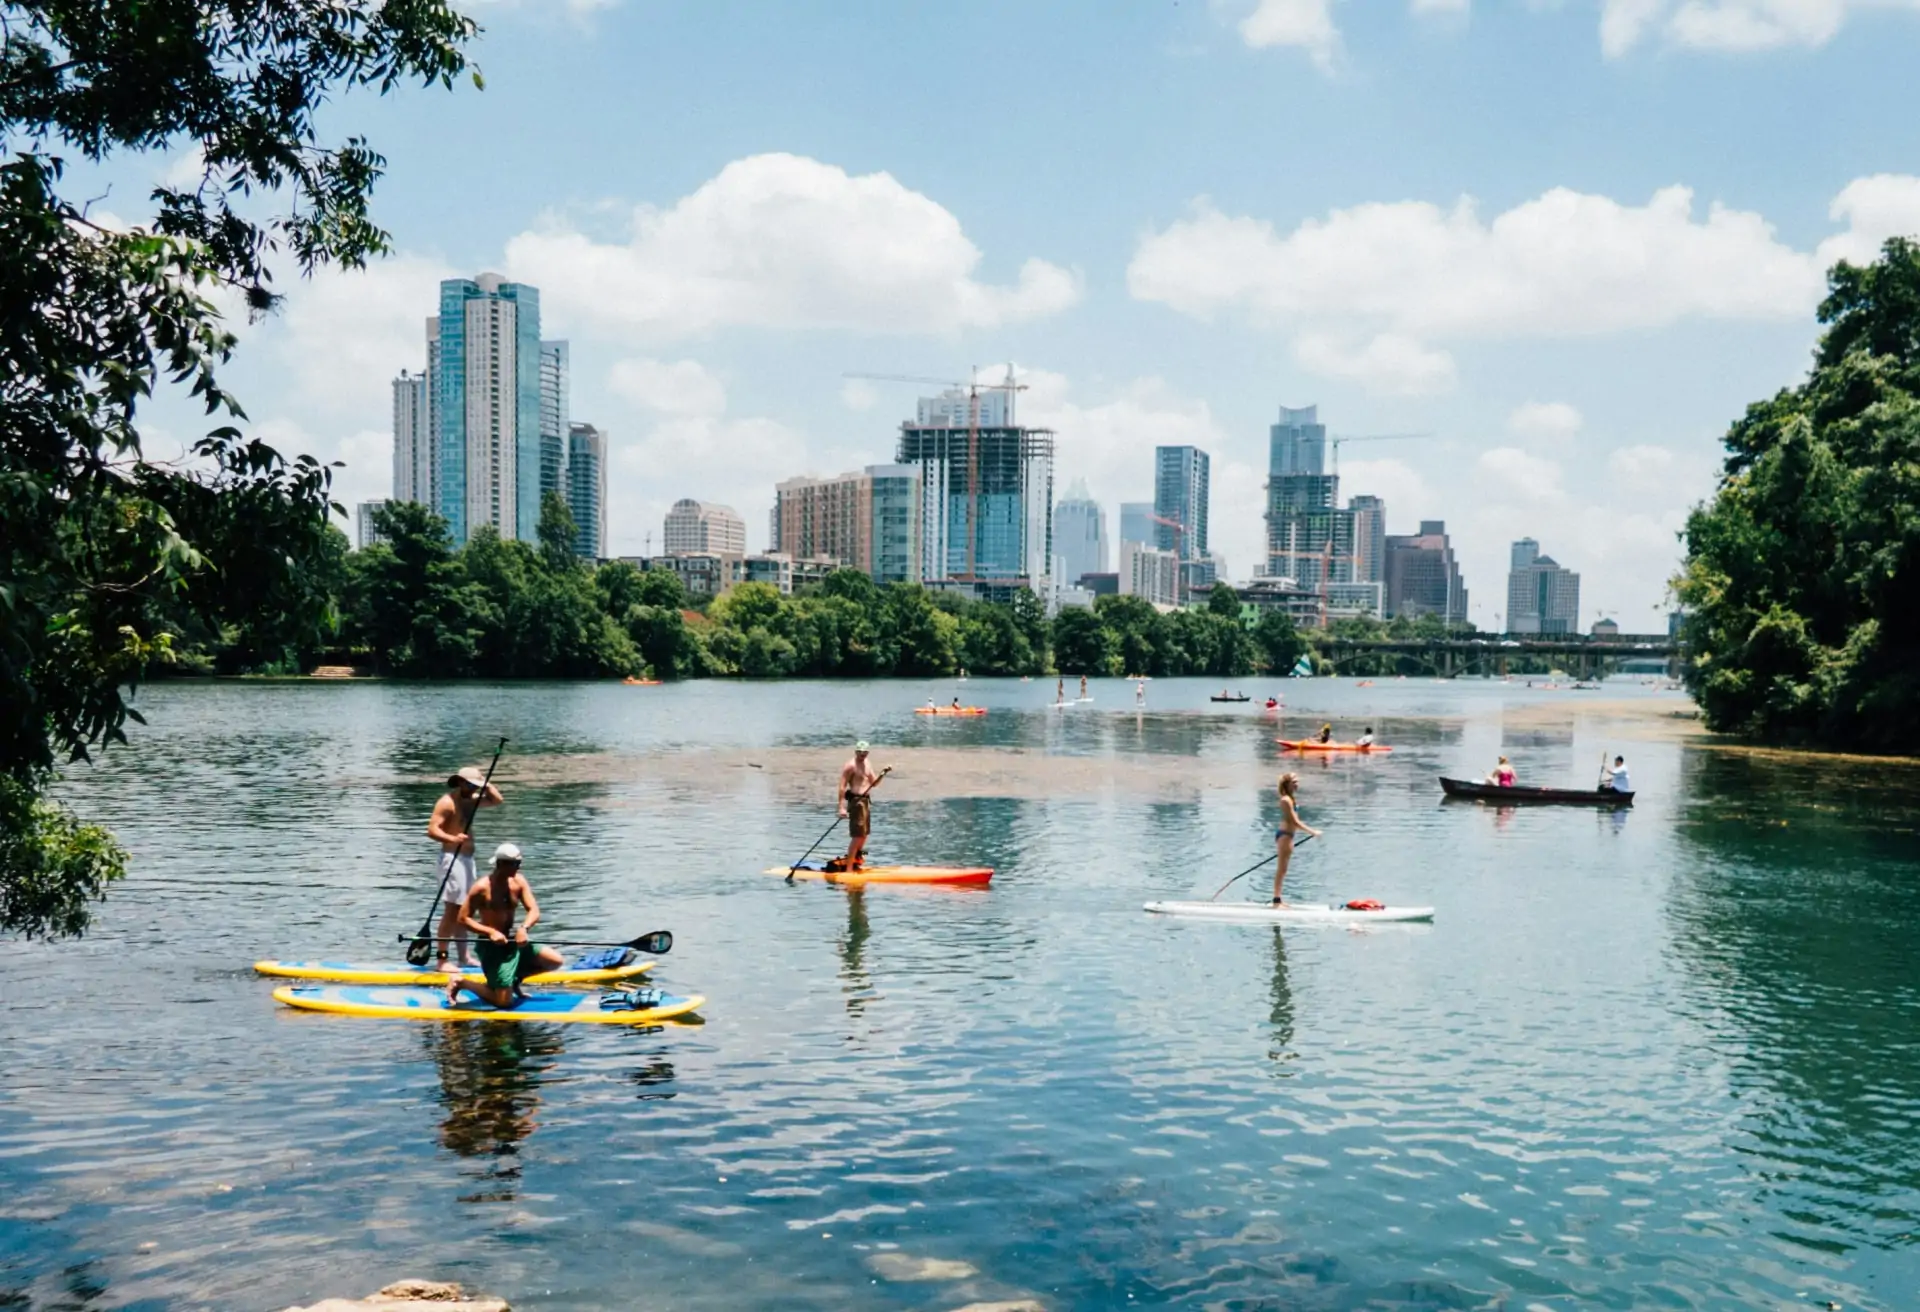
(857, 782)
(507, 955)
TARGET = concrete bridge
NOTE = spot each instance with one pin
(1582, 656)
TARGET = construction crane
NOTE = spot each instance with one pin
(973, 389)
(1370, 437)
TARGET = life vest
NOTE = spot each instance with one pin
(1366, 904)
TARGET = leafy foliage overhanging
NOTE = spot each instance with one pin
(1802, 576)
(104, 549)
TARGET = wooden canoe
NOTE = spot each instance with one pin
(1485, 792)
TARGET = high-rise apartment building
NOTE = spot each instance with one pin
(486, 386)
(1369, 539)
(1149, 573)
(1180, 476)
(1309, 538)
(413, 445)
(868, 520)
(587, 490)
(1136, 522)
(1542, 597)
(556, 421)
(366, 531)
(986, 490)
(1423, 578)
(1079, 535)
(700, 526)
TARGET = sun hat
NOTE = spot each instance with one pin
(468, 774)
(861, 746)
(506, 852)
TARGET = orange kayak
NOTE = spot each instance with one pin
(975, 876)
(1294, 746)
(949, 710)
(641, 683)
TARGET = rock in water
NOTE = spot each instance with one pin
(413, 1296)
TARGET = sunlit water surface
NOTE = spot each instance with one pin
(1666, 1058)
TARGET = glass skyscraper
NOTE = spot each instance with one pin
(986, 495)
(586, 492)
(1180, 475)
(486, 384)
(555, 421)
(1079, 534)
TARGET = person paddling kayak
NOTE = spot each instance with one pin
(507, 955)
(448, 825)
(1326, 734)
(1290, 824)
(857, 782)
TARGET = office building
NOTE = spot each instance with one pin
(869, 520)
(587, 489)
(1180, 475)
(701, 573)
(413, 445)
(486, 399)
(366, 533)
(1542, 597)
(697, 526)
(1136, 522)
(986, 492)
(1079, 534)
(1423, 578)
(1309, 538)
(1369, 539)
(1150, 573)
(555, 421)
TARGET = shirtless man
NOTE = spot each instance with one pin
(507, 955)
(857, 782)
(448, 825)
(1083, 688)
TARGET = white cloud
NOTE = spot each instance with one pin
(1300, 24)
(1519, 475)
(781, 241)
(1399, 484)
(1551, 422)
(1641, 464)
(1732, 26)
(1405, 277)
(681, 387)
(859, 395)
(1387, 361)
(344, 334)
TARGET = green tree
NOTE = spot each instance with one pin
(105, 552)
(1800, 575)
(1139, 633)
(1224, 602)
(1081, 643)
(1277, 644)
(921, 636)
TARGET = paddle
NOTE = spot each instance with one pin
(823, 838)
(422, 946)
(659, 943)
(1298, 843)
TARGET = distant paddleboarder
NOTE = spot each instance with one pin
(1083, 688)
(507, 955)
(1060, 691)
(1290, 824)
(448, 825)
(857, 781)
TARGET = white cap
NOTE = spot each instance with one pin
(505, 852)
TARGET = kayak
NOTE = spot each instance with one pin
(1229, 699)
(952, 875)
(642, 1007)
(641, 683)
(949, 710)
(1293, 745)
(1515, 793)
(1258, 913)
(349, 972)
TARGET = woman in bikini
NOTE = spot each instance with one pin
(1290, 824)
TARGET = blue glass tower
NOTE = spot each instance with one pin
(487, 402)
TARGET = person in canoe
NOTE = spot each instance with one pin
(1365, 740)
(1616, 777)
(1290, 824)
(1273, 703)
(448, 825)
(507, 954)
(1325, 735)
(1502, 775)
(858, 779)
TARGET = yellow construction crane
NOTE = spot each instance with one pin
(973, 389)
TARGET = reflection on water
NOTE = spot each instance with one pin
(1659, 1057)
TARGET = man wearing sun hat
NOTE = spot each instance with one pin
(468, 789)
(857, 782)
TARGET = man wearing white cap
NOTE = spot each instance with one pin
(467, 791)
(857, 782)
(507, 955)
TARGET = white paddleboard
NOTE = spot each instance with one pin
(1299, 913)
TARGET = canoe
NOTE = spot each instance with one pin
(949, 710)
(964, 876)
(1260, 914)
(1294, 745)
(642, 1007)
(350, 972)
(1229, 699)
(1566, 796)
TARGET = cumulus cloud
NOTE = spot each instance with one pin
(858, 395)
(781, 241)
(1549, 422)
(679, 387)
(1403, 278)
(1298, 24)
(1517, 474)
(345, 333)
(1729, 25)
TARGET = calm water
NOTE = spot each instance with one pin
(1668, 1058)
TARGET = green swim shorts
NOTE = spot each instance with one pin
(507, 964)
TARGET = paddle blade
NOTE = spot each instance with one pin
(660, 942)
(419, 950)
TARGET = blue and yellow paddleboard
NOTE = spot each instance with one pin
(645, 1007)
(399, 972)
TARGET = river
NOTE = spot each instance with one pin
(1660, 1058)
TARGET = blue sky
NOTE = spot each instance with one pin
(1569, 240)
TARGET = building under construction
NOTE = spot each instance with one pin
(986, 491)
